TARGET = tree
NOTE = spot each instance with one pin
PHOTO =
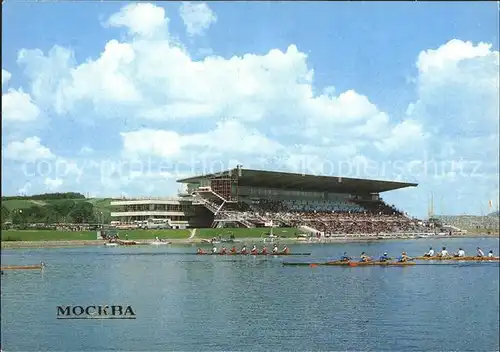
(83, 212)
(5, 214)
(63, 207)
(17, 216)
(48, 196)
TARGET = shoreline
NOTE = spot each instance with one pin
(240, 241)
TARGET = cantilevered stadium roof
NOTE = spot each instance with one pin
(283, 180)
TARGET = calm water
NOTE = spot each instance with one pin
(189, 303)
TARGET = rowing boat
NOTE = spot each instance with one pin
(351, 264)
(127, 243)
(258, 254)
(159, 243)
(376, 263)
(23, 267)
(354, 264)
(460, 258)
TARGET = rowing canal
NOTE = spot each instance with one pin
(194, 303)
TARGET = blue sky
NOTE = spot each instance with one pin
(117, 98)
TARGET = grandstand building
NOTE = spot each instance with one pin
(254, 198)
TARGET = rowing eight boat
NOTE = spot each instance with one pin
(460, 258)
(343, 263)
(258, 254)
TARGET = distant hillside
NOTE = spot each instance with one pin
(55, 207)
(495, 213)
(47, 196)
(468, 222)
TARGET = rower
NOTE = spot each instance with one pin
(243, 250)
(285, 250)
(480, 252)
(364, 257)
(430, 253)
(214, 250)
(254, 250)
(233, 250)
(223, 250)
(490, 254)
(444, 252)
(345, 257)
(275, 248)
(200, 251)
(384, 257)
(404, 257)
(460, 253)
(264, 250)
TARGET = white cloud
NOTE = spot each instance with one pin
(448, 56)
(458, 88)
(28, 150)
(6, 76)
(228, 137)
(53, 184)
(197, 17)
(157, 80)
(17, 106)
(141, 18)
(400, 134)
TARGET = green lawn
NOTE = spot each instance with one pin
(47, 235)
(245, 233)
(50, 235)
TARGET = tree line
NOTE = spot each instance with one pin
(47, 196)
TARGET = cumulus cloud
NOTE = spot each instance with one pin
(140, 19)
(6, 76)
(399, 134)
(18, 106)
(197, 17)
(30, 149)
(228, 137)
(157, 80)
(458, 88)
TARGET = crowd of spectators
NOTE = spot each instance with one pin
(360, 223)
(376, 217)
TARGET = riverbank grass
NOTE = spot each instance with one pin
(50, 235)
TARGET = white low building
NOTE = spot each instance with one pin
(157, 213)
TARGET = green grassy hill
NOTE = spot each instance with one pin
(99, 203)
(19, 203)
